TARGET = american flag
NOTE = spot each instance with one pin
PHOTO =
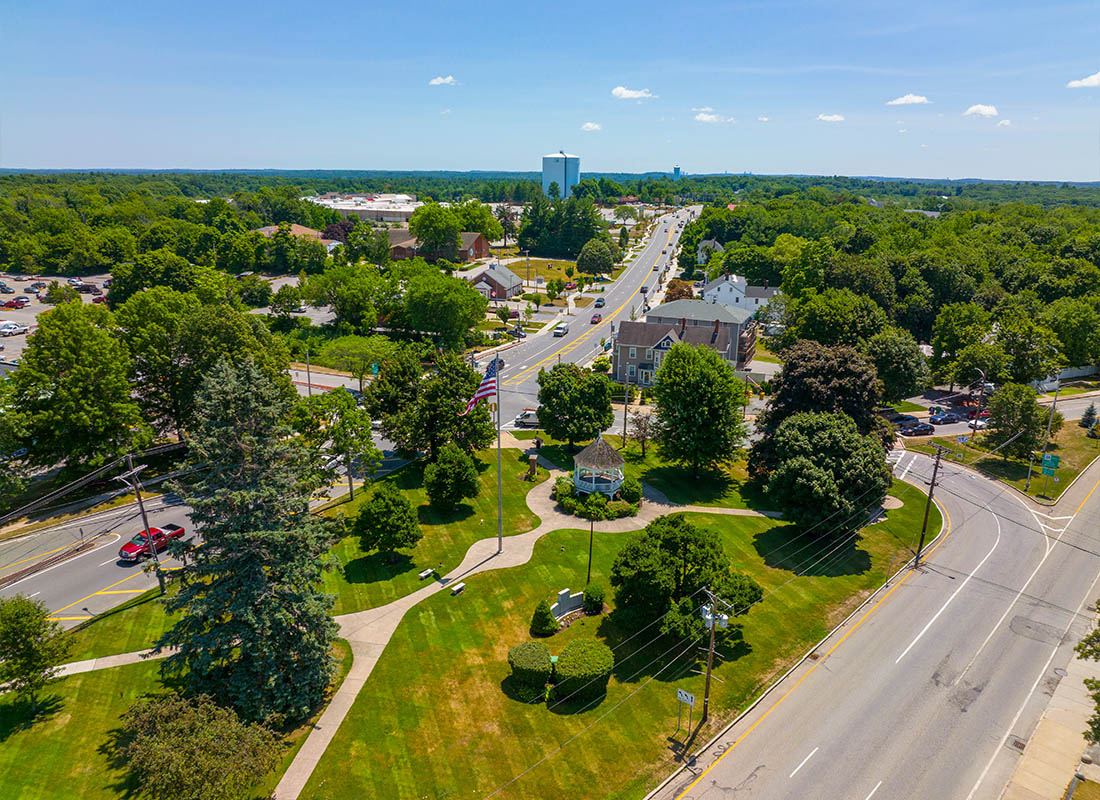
(488, 388)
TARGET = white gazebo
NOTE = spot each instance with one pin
(598, 468)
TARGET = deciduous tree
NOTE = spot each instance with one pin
(31, 647)
(574, 403)
(436, 230)
(387, 521)
(899, 362)
(452, 478)
(1017, 424)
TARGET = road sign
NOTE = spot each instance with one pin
(1051, 460)
(1048, 471)
(374, 369)
(685, 697)
(962, 438)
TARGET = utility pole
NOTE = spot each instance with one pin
(309, 380)
(1046, 442)
(131, 478)
(928, 503)
(626, 402)
(528, 254)
(981, 404)
(714, 618)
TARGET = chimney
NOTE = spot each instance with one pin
(683, 324)
(715, 327)
(765, 283)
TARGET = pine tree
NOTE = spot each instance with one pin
(543, 622)
(1088, 419)
(253, 629)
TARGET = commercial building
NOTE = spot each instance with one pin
(300, 231)
(370, 206)
(563, 169)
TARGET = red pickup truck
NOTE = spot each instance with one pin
(138, 547)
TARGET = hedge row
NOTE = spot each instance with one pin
(581, 673)
(596, 506)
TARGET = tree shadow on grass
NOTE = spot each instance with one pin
(377, 567)
(428, 514)
(20, 714)
(520, 693)
(1001, 469)
(782, 547)
(667, 658)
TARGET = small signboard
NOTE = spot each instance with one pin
(374, 368)
(962, 438)
(1048, 471)
(1050, 460)
(685, 697)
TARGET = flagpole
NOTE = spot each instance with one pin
(500, 496)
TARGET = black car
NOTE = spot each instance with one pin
(903, 420)
(917, 429)
(645, 289)
(944, 419)
(5, 289)
(519, 333)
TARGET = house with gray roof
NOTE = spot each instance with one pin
(495, 282)
(705, 249)
(734, 290)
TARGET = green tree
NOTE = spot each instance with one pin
(624, 238)
(387, 521)
(643, 429)
(368, 244)
(397, 383)
(574, 403)
(286, 301)
(451, 479)
(178, 748)
(1076, 323)
(670, 562)
(433, 414)
(699, 406)
(58, 293)
(507, 219)
(899, 362)
(359, 355)
(829, 476)
(249, 611)
(31, 647)
(543, 622)
(436, 230)
(333, 422)
(72, 391)
(554, 288)
(13, 474)
(553, 190)
(475, 216)
(1017, 423)
(1088, 419)
(975, 360)
(958, 325)
(832, 317)
(158, 268)
(1032, 349)
(356, 293)
(446, 306)
(254, 291)
(595, 257)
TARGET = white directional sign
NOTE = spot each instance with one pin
(685, 697)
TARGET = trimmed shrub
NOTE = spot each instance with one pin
(631, 490)
(601, 364)
(563, 488)
(543, 622)
(593, 598)
(617, 509)
(531, 665)
(583, 669)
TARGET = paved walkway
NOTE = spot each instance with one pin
(1053, 753)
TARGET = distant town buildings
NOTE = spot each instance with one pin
(563, 169)
(676, 173)
(300, 231)
(370, 205)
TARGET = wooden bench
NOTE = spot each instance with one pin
(427, 573)
(458, 588)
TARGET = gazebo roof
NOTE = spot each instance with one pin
(598, 455)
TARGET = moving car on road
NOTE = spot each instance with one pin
(600, 303)
(528, 418)
(597, 318)
(138, 547)
(561, 329)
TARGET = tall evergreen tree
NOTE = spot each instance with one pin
(253, 627)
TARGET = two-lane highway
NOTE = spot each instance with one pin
(927, 693)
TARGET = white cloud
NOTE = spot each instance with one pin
(623, 93)
(591, 126)
(445, 111)
(1089, 82)
(702, 116)
(761, 119)
(439, 80)
(924, 145)
(980, 110)
(830, 117)
(703, 109)
(909, 100)
(1004, 123)
(902, 130)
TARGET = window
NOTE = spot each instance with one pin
(630, 370)
(633, 354)
(649, 354)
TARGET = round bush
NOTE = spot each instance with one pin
(620, 508)
(631, 490)
(593, 598)
(530, 663)
(583, 669)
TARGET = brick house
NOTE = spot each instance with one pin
(495, 282)
(301, 232)
(403, 245)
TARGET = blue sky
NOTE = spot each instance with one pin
(766, 87)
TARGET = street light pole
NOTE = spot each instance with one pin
(928, 504)
(1046, 442)
(131, 478)
(591, 528)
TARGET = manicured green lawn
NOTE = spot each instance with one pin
(724, 488)
(905, 407)
(1071, 444)
(764, 354)
(435, 718)
(369, 579)
(64, 753)
(133, 625)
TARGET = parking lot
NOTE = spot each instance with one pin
(13, 345)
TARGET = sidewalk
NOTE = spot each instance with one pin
(1053, 753)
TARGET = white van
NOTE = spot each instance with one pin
(561, 329)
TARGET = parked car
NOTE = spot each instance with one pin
(917, 429)
(600, 303)
(597, 318)
(902, 420)
(513, 314)
(32, 289)
(99, 298)
(979, 424)
(8, 328)
(18, 302)
(976, 413)
(571, 286)
(40, 285)
(944, 419)
(138, 547)
(86, 288)
(518, 332)
(5, 289)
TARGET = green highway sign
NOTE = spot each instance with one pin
(1050, 460)
(1048, 471)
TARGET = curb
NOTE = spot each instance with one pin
(776, 683)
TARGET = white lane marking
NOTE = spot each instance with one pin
(962, 585)
(908, 467)
(105, 563)
(1034, 686)
(872, 794)
(1048, 516)
(807, 758)
(33, 595)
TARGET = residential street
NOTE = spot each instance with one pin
(931, 684)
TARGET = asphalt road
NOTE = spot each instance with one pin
(926, 692)
(519, 378)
